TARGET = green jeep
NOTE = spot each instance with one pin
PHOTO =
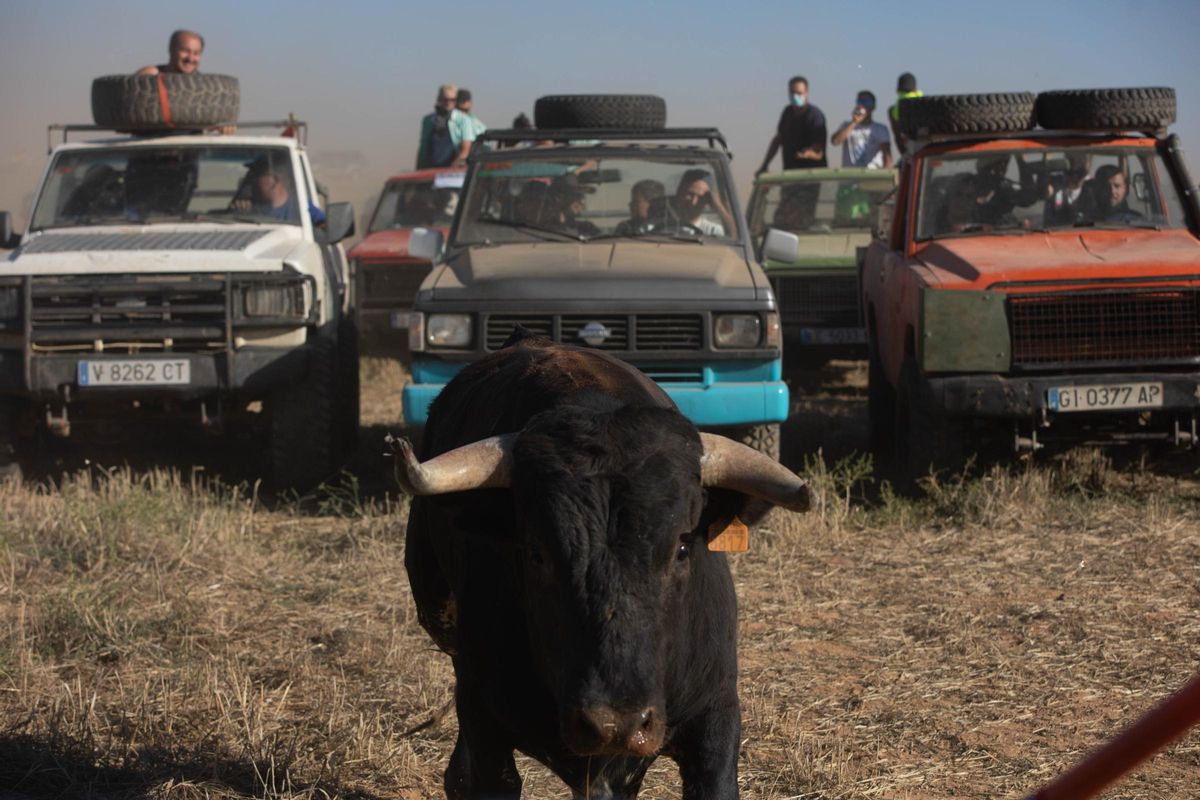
(830, 212)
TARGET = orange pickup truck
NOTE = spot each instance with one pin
(1035, 278)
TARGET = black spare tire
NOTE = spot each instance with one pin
(949, 114)
(1148, 108)
(638, 111)
(129, 102)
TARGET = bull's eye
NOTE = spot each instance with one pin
(685, 550)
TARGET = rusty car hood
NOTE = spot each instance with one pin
(388, 245)
(1061, 256)
(609, 270)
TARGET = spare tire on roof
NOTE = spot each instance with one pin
(1147, 108)
(949, 114)
(638, 111)
(166, 100)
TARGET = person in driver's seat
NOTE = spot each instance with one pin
(693, 196)
(567, 203)
(271, 195)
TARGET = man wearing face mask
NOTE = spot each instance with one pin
(800, 133)
(446, 134)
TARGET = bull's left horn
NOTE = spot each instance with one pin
(732, 465)
(485, 464)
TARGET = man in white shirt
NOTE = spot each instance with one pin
(865, 143)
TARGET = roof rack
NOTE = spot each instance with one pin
(299, 129)
(917, 142)
(564, 135)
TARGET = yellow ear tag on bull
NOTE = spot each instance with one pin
(728, 537)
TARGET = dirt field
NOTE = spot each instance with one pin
(163, 635)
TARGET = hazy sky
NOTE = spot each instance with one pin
(363, 73)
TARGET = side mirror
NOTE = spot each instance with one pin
(425, 243)
(781, 246)
(8, 239)
(339, 222)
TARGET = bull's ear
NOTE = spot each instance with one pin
(485, 464)
(727, 464)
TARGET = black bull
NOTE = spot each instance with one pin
(557, 551)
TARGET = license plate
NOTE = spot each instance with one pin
(833, 336)
(135, 372)
(1105, 396)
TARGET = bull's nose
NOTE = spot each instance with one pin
(602, 729)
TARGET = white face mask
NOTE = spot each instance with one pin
(799, 99)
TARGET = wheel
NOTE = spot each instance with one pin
(199, 100)
(641, 111)
(881, 410)
(1106, 109)
(303, 430)
(763, 438)
(925, 440)
(346, 403)
(966, 113)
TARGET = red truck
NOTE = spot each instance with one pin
(1035, 278)
(385, 275)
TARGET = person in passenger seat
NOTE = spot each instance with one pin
(642, 199)
(693, 197)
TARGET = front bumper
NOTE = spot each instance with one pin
(731, 393)
(999, 396)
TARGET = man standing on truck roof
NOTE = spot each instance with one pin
(865, 143)
(446, 134)
(800, 132)
(906, 87)
(184, 51)
(466, 105)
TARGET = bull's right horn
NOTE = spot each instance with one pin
(485, 464)
(732, 465)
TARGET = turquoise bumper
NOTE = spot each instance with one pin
(728, 393)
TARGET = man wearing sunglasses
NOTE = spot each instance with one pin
(446, 134)
(865, 143)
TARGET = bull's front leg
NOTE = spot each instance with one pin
(482, 765)
(706, 750)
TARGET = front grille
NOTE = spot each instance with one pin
(829, 301)
(391, 284)
(641, 332)
(1140, 325)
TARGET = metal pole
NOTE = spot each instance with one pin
(1154, 731)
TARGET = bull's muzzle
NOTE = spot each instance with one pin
(603, 730)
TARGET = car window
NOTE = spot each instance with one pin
(818, 207)
(413, 204)
(1074, 187)
(145, 184)
(563, 197)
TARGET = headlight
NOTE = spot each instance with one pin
(448, 330)
(10, 302)
(268, 300)
(737, 330)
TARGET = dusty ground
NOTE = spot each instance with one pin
(165, 637)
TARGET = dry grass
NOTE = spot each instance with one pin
(165, 638)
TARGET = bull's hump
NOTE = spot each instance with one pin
(566, 371)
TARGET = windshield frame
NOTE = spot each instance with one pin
(713, 160)
(281, 155)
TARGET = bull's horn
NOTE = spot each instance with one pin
(485, 464)
(732, 465)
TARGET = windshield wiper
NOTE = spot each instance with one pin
(660, 236)
(537, 229)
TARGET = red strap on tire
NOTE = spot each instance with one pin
(165, 101)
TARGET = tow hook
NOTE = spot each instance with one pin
(1023, 443)
(58, 425)
(1185, 433)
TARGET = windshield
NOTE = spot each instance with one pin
(844, 205)
(415, 204)
(565, 197)
(1068, 187)
(145, 184)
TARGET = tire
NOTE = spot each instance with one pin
(925, 440)
(941, 114)
(638, 111)
(130, 102)
(303, 429)
(346, 403)
(881, 410)
(1106, 109)
(763, 438)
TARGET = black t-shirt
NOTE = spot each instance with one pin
(800, 128)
